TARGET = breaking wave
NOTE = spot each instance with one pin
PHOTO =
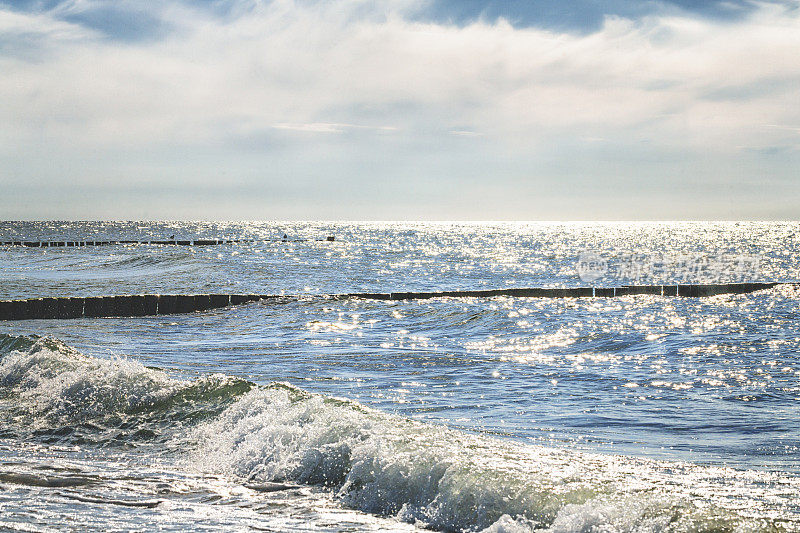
(53, 391)
(429, 475)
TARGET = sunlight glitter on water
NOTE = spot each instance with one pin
(561, 414)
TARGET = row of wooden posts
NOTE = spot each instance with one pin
(196, 242)
(167, 304)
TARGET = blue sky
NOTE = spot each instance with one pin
(400, 109)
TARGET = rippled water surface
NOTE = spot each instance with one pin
(305, 413)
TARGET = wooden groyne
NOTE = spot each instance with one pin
(173, 242)
(584, 292)
(168, 304)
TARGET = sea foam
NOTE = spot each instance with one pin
(46, 384)
(375, 462)
(441, 478)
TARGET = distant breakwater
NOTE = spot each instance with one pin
(170, 242)
(168, 304)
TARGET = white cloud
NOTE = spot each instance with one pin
(327, 127)
(287, 63)
(18, 25)
(681, 84)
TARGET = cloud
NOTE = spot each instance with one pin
(681, 86)
(37, 29)
(295, 63)
(326, 127)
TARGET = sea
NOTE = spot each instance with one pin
(312, 412)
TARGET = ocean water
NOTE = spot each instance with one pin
(309, 413)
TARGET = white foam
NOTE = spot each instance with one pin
(506, 524)
(55, 384)
(374, 462)
(419, 473)
(441, 478)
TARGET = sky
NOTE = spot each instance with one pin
(400, 109)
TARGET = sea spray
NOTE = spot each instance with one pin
(50, 387)
(368, 460)
(441, 478)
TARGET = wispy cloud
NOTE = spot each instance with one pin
(526, 94)
(317, 62)
(327, 127)
(465, 133)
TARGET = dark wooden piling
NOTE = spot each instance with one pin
(70, 307)
(151, 304)
(167, 304)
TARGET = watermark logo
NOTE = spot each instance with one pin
(591, 266)
(668, 268)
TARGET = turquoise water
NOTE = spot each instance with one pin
(640, 413)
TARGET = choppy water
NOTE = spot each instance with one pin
(636, 413)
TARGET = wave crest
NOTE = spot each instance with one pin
(430, 475)
(437, 477)
(51, 388)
